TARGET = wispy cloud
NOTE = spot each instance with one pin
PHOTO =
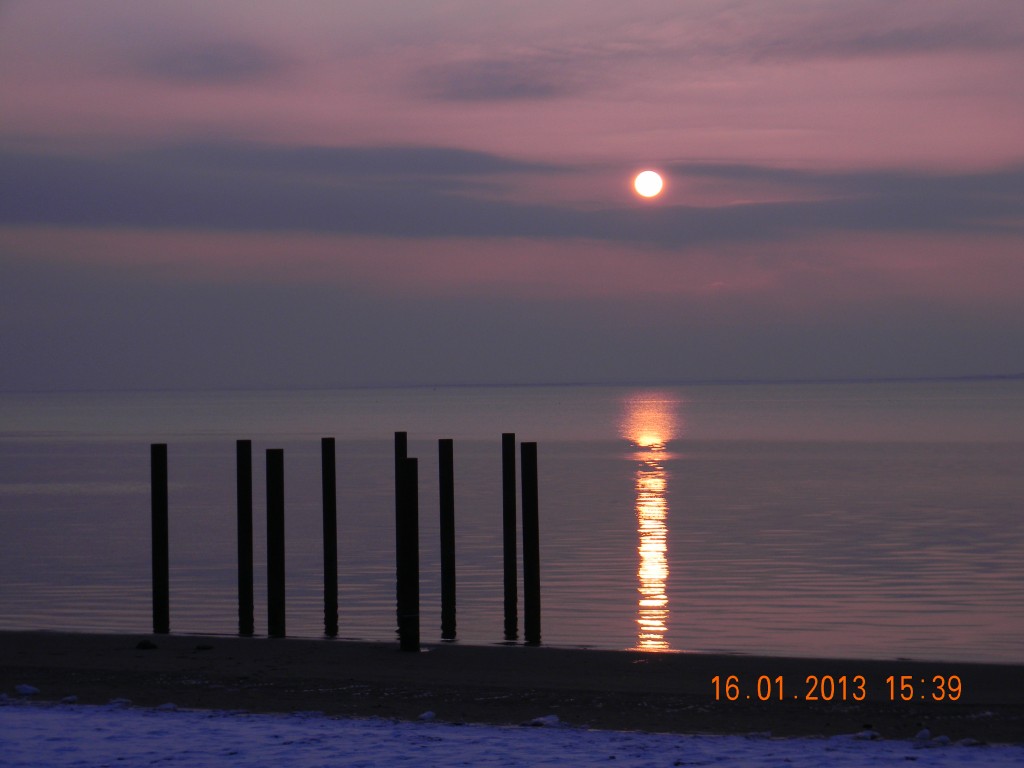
(434, 192)
(977, 195)
(221, 62)
(336, 162)
(509, 79)
(851, 32)
(754, 31)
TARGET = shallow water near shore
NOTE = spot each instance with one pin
(859, 520)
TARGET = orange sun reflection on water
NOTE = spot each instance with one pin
(650, 422)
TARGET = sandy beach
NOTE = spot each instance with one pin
(619, 690)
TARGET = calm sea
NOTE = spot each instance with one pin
(875, 520)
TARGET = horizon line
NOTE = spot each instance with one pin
(976, 377)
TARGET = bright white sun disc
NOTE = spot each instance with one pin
(648, 183)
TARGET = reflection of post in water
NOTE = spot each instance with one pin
(649, 424)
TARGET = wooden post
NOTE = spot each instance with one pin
(401, 454)
(275, 543)
(446, 483)
(158, 526)
(508, 507)
(531, 546)
(408, 565)
(243, 463)
(330, 494)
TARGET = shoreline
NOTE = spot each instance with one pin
(612, 690)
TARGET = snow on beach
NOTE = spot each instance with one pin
(117, 734)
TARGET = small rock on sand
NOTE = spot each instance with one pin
(545, 721)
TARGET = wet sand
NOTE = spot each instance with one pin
(622, 690)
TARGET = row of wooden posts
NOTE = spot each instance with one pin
(406, 540)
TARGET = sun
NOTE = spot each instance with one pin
(648, 184)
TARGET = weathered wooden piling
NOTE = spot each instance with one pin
(401, 454)
(275, 543)
(330, 497)
(446, 484)
(508, 509)
(531, 546)
(158, 527)
(408, 558)
(243, 471)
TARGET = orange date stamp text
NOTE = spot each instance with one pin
(906, 688)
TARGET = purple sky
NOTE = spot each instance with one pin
(319, 193)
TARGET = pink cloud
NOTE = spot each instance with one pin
(803, 85)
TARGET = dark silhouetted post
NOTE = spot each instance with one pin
(446, 482)
(508, 508)
(158, 524)
(330, 536)
(408, 565)
(275, 542)
(401, 454)
(243, 462)
(531, 546)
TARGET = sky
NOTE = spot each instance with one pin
(230, 194)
